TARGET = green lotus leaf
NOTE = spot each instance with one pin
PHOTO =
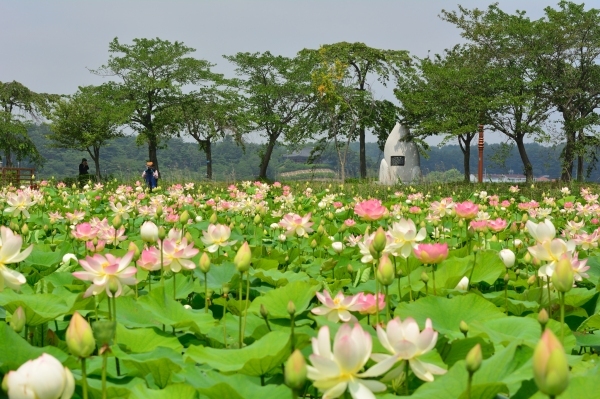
(161, 363)
(41, 308)
(185, 285)
(276, 278)
(215, 385)
(446, 314)
(216, 277)
(276, 301)
(182, 391)
(488, 267)
(14, 350)
(140, 340)
(485, 391)
(459, 349)
(255, 360)
(578, 296)
(515, 306)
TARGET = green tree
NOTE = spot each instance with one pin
(278, 93)
(208, 114)
(18, 106)
(362, 63)
(445, 95)
(153, 73)
(86, 121)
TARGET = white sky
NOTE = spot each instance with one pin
(47, 45)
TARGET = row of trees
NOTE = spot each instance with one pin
(512, 75)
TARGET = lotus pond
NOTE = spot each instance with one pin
(305, 291)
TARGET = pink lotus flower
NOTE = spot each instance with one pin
(10, 252)
(403, 341)
(369, 304)
(431, 253)
(296, 224)
(84, 232)
(349, 222)
(334, 371)
(497, 225)
(98, 247)
(466, 209)
(107, 273)
(216, 236)
(149, 259)
(478, 225)
(177, 253)
(337, 308)
(370, 210)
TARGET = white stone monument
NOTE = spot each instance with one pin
(401, 161)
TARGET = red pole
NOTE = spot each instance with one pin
(480, 146)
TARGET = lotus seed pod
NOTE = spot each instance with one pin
(104, 332)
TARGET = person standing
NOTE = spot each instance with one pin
(150, 175)
(83, 171)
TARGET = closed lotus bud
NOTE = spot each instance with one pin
(162, 233)
(159, 210)
(17, 322)
(213, 218)
(204, 263)
(184, 217)
(135, 249)
(474, 358)
(243, 258)
(424, 277)
(470, 232)
(337, 246)
(291, 308)
(25, 229)
(188, 236)
(543, 318)
(263, 311)
(508, 257)
(350, 268)
(513, 228)
(527, 258)
(117, 222)
(313, 244)
(562, 278)
(385, 270)
(80, 337)
(295, 371)
(506, 278)
(464, 327)
(531, 280)
(525, 218)
(320, 230)
(380, 240)
(257, 219)
(550, 367)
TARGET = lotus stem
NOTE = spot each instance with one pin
(174, 286)
(433, 275)
(205, 294)
(562, 317)
(225, 322)
(387, 303)
(247, 305)
(292, 324)
(506, 297)
(469, 384)
(104, 361)
(84, 385)
(240, 308)
(549, 297)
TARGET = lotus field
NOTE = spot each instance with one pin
(303, 291)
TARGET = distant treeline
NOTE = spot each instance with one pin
(180, 160)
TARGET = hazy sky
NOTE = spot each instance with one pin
(48, 44)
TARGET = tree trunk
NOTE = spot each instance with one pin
(8, 158)
(527, 167)
(568, 157)
(580, 172)
(96, 158)
(466, 150)
(152, 147)
(264, 163)
(363, 153)
(208, 152)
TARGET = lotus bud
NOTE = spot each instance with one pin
(320, 230)
(474, 358)
(226, 290)
(350, 268)
(380, 240)
(242, 226)
(263, 311)
(204, 263)
(424, 277)
(550, 367)
(513, 228)
(17, 322)
(517, 243)
(184, 217)
(117, 222)
(313, 244)
(295, 371)
(464, 327)
(188, 236)
(162, 233)
(337, 247)
(25, 229)
(562, 278)
(385, 270)
(508, 257)
(80, 337)
(213, 218)
(461, 223)
(527, 258)
(257, 219)
(470, 232)
(531, 280)
(291, 308)
(159, 211)
(243, 258)
(543, 318)
(135, 249)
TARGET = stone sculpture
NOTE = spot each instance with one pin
(401, 162)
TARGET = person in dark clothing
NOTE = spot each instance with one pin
(150, 175)
(83, 171)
